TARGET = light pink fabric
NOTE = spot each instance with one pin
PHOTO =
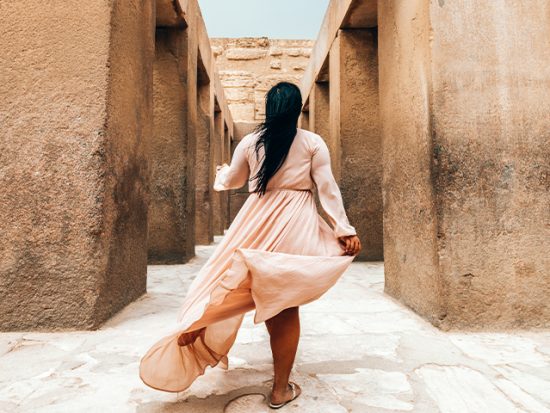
(277, 253)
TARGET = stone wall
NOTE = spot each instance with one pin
(250, 66)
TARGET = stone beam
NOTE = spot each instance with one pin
(209, 63)
(169, 13)
(340, 13)
(361, 15)
(74, 167)
(466, 137)
(189, 11)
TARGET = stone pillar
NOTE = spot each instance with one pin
(466, 149)
(227, 159)
(76, 115)
(170, 239)
(217, 147)
(192, 80)
(203, 205)
(319, 109)
(304, 120)
(354, 138)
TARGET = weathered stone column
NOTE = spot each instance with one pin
(304, 120)
(217, 144)
(466, 137)
(227, 159)
(354, 133)
(203, 204)
(319, 109)
(75, 104)
(170, 238)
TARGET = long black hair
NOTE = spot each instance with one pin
(283, 104)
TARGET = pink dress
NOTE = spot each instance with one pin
(277, 253)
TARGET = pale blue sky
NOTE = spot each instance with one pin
(277, 19)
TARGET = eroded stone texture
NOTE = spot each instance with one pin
(203, 171)
(354, 139)
(217, 159)
(226, 157)
(304, 120)
(250, 66)
(410, 229)
(76, 114)
(466, 132)
(170, 236)
(319, 109)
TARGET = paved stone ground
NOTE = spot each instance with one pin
(359, 352)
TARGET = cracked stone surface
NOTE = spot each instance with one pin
(360, 351)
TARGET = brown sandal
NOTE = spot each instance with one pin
(294, 395)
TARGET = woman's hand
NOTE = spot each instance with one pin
(351, 244)
(218, 167)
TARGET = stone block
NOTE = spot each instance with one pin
(293, 52)
(466, 149)
(204, 231)
(217, 50)
(238, 80)
(355, 135)
(319, 111)
(242, 110)
(245, 54)
(76, 112)
(265, 82)
(170, 235)
(234, 94)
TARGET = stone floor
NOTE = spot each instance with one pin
(359, 352)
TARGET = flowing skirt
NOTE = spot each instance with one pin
(277, 253)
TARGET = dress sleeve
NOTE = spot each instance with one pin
(329, 193)
(235, 175)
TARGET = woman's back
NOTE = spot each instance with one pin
(307, 166)
(295, 172)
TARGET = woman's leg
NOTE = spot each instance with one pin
(284, 332)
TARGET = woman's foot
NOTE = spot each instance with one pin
(279, 399)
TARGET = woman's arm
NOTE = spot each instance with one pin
(329, 193)
(235, 175)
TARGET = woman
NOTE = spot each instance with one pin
(277, 254)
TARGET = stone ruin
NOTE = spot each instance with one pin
(114, 115)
